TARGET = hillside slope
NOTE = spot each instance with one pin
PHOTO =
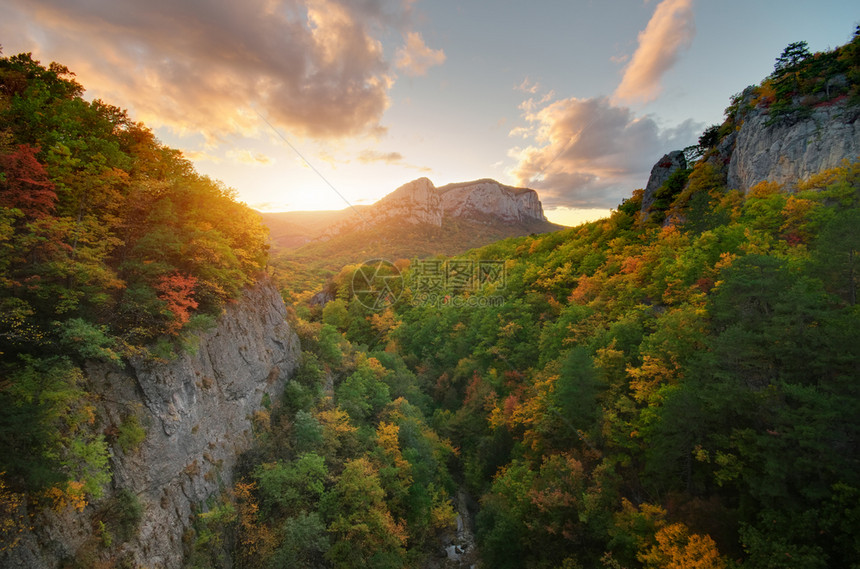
(128, 293)
(674, 386)
(415, 221)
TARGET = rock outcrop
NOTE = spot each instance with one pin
(761, 149)
(413, 202)
(489, 199)
(198, 413)
(661, 172)
(790, 151)
(420, 202)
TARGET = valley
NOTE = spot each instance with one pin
(453, 381)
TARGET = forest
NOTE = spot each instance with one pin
(645, 395)
(111, 247)
(669, 388)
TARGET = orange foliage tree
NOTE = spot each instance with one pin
(177, 291)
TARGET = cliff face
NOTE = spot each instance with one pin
(660, 173)
(790, 151)
(786, 151)
(414, 202)
(488, 198)
(420, 202)
(198, 412)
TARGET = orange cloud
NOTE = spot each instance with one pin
(590, 153)
(415, 58)
(312, 67)
(527, 86)
(248, 157)
(670, 30)
(368, 156)
(389, 158)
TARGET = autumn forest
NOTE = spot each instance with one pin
(674, 386)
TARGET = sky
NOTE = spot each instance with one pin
(319, 104)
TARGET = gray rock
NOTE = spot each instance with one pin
(322, 298)
(197, 411)
(659, 174)
(414, 202)
(789, 152)
(420, 202)
(484, 199)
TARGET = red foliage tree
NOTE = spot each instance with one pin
(24, 183)
(177, 291)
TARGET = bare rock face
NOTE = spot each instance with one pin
(414, 202)
(661, 171)
(789, 152)
(420, 202)
(198, 412)
(489, 199)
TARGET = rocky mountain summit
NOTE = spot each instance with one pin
(419, 201)
(489, 199)
(417, 220)
(414, 202)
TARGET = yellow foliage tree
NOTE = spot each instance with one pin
(256, 541)
(13, 520)
(677, 548)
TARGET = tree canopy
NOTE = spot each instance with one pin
(111, 246)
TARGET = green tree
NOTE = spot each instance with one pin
(47, 429)
(794, 54)
(289, 487)
(304, 543)
(364, 534)
(837, 255)
(363, 394)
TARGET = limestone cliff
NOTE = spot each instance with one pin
(420, 202)
(414, 202)
(660, 173)
(789, 151)
(197, 410)
(759, 148)
(488, 198)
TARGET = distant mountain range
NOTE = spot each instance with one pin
(415, 220)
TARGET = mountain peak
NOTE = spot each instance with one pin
(416, 202)
(475, 211)
(485, 200)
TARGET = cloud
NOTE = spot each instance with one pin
(529, 105)
(312, 67)
(201, 156)
(527, 86)
(670, 30)
(388, 158)
(368, 156)
(415, 58)
(590, 153)
(248, 157)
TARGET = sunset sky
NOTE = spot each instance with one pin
(576, 99)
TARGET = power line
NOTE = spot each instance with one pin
(311, 166)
